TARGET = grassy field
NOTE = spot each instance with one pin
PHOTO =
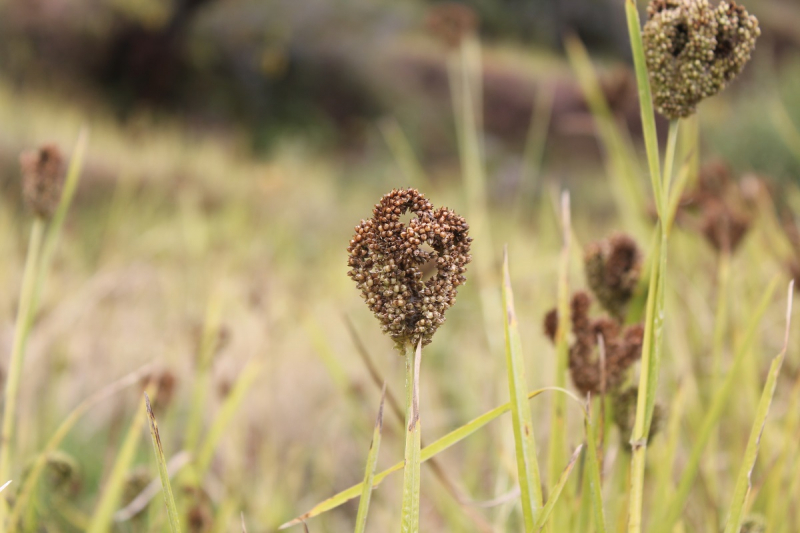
(223, 278)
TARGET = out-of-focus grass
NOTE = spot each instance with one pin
(167, 218)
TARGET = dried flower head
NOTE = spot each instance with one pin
(724, 227)
(386, 258)
(693, 50)
(623, 347)
(450, 22)
(613, 267)
(42, 179)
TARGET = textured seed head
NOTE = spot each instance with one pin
(693, 50)
(613, 267)
(389, 256)
(42, 179)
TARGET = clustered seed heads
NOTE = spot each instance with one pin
(387, 258)
(451, 22)
(623, 347)
(613, 267)
(693, 50)
(623, 407)
(42, 179)
(721, 205)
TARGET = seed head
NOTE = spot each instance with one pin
(387, 257)
(450, 22)
(693, 50)
(42, 179)
(623, 347)
(753, 523)
(613, 267)
(623, 407)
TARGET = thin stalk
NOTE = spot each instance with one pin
(21, 331)
(369, 470)
(558, 442)
(169, 499)
(411, 471)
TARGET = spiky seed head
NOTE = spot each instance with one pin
(42, 179)
(387, 258)
(693, 51)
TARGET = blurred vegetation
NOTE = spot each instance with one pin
(234, 145)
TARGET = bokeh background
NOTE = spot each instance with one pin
(234, 144)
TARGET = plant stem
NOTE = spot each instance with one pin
(18, 352)
(411, 471)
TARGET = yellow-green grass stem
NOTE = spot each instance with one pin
(163, 473)
(433, 449)
(17, 358)
(742, 488)
(369, 470)
(527, 466)
(674, 507)
(409, 520)
(558, 441)
(111, 493)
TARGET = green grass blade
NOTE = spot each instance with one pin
(645, 103)
(247, 377)
(111, 493)
(558, 440)
(369, 471)
(411, 469)
(742, 488)
(595, 479)
(718, 404)
(555, 492)
(169, 500)
(40, 462)
(433, 449)
(527, 467)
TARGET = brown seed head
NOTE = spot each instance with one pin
(693, 50)
(753, 523)
(623, 408)
(723, 226)
(450, 22)
(42, 179)
(613, 267)
(386, 258)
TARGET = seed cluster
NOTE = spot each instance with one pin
(42, 179)
(623, 347)
(623, 407)
(718, 208)
(451, 22)
(387, 260)
(613, 267)
(693, 50)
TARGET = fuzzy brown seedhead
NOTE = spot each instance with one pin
(42, 179)
(387, 257)
(613, 267)
(623, 347)
(450, 22)
(623, 406)
(723, 213)
(693, 50)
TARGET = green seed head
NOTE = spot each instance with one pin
(693, 50)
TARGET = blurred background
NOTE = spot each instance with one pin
(234, 144)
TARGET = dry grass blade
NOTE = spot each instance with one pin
(742, 489)
(555, 492)
(169, 500)
(139, 503)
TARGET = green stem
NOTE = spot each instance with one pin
(411, 470)
(18, 352)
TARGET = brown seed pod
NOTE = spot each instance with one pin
(613, 267)
(387, 257)
(450, 22)
(623, 408)
(42, 179)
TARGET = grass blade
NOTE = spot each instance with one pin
(433, 449)
(169, 500)
(411, 470)
(555, 492)
(111, 493)
(527, 468)
(595, 479)
(369, 471)
(742, 489)
(718, 404)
